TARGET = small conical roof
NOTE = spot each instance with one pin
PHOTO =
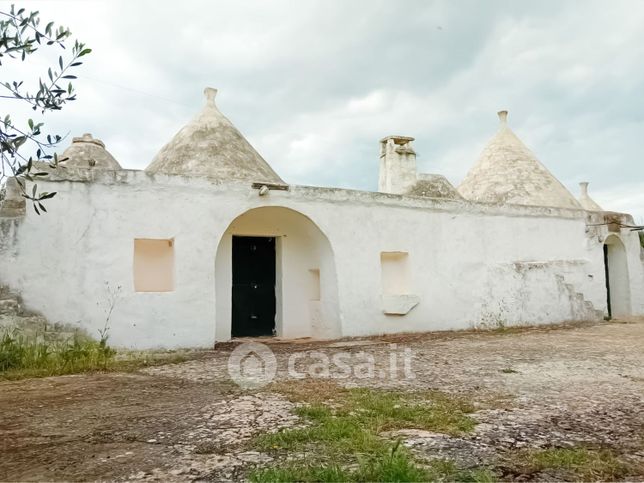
(433, 186)
(508, 172)
(585, 200)
(211, 146)
(88, 152)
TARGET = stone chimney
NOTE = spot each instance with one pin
(397, 165)
(585, 200)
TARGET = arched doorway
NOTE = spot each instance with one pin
(618, 293)
(275, 274)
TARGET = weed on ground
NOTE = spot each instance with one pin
(581, 464)
(342, 436)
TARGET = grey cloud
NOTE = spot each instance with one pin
(315, 84)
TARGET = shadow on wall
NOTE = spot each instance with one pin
(306, 292)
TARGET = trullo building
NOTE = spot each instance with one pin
(209, 243)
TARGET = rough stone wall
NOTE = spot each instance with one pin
(16, 320)
(536, 293)
(12, 204)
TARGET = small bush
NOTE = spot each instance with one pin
(22, 355)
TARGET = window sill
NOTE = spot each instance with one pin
(399, 304)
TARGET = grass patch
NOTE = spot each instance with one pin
(304, 472)
(396, 466)
(342, 440)
(585, 464)
(23, 357)
(21, 354)
(354, 419)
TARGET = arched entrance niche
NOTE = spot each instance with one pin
(617, 280)
(306, 294)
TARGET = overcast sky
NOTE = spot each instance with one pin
(315, 84)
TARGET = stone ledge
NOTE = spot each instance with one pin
(399, 304)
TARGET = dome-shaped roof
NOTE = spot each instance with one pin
(585, 200)
(508, 172)
(87, 152)
(433, 186)
(212, 147)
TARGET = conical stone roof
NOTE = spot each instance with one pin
(508, 172)
(212, 147)
(88, 152)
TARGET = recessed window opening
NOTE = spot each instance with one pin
(314, 284)
(396, 275)
(153, 265)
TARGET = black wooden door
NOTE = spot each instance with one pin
(606, 272)
(253, 286)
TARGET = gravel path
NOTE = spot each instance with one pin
(536, 387)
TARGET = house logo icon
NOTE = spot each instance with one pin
(252, 365)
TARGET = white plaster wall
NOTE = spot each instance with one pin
(454, 256)
(67, 262)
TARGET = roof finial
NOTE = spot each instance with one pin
(503, 116)
(210, 94)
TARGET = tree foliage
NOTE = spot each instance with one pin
(21, 35)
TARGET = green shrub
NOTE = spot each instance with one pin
(20, 354)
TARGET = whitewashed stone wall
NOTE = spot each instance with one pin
(470, 263)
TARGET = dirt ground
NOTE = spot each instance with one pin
(559, 387)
